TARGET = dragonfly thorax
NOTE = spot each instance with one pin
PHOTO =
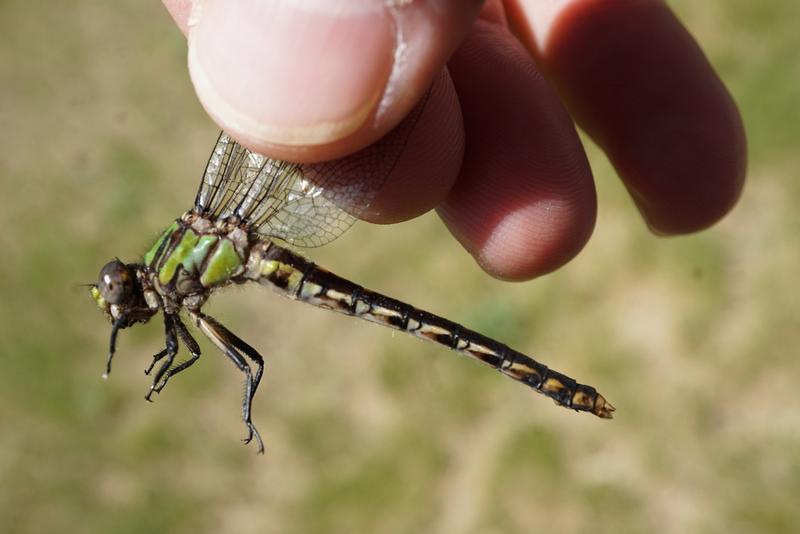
(195, 255)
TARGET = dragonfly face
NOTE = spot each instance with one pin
(119, 294)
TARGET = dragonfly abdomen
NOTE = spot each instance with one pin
(295, 277)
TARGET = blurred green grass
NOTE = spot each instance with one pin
(695, 340)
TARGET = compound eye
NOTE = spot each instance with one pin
(116, 283)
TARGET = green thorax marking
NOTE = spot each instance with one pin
(181, 254)
(224, 263)
(150, 255)
(209, 258)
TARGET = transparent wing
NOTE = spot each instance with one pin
(306, 205)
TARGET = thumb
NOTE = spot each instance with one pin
(309, 80)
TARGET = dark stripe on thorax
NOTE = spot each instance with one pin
(168, 245)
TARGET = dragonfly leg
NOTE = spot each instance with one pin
(112, 344)
(194, 350)
(169, 353)
(156, 359)
(253, 354)
(232, 346)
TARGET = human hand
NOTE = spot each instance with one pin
(495, 151)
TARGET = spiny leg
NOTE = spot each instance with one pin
(169, 353)
(228, 343)
(249, 351)
(194, 350)
(254, 381)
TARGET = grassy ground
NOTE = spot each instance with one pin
(695, 340)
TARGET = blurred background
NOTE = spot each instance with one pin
(694, 339)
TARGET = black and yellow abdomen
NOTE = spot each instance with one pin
(297, 278)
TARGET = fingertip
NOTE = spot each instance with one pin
(525, 202)
(537, 239)
(636, 80)
(698, 174)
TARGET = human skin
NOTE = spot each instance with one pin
(495, 152)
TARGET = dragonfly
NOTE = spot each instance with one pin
(249, 213)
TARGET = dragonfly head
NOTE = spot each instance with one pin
(119, 294)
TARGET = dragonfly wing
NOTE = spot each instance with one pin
(306, 205)
(236, 180)
(217, 175)
(273, 197)
(307, 217)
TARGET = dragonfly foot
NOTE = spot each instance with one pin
(253, 433)
(171, 344)
(161, 386)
